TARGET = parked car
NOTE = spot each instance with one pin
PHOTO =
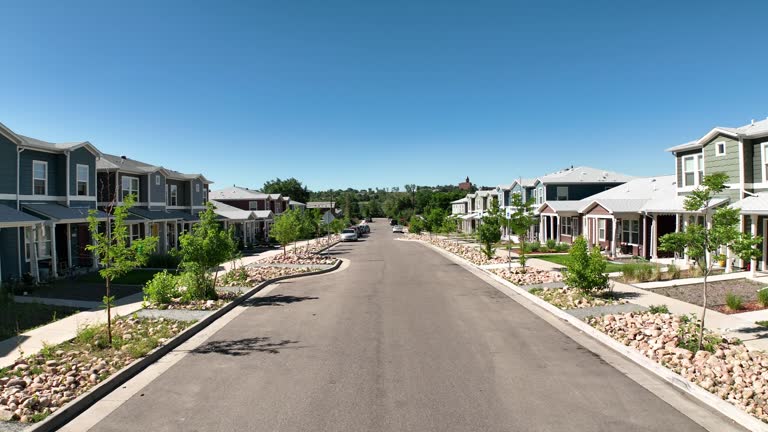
(369, 219)
(349, 234)
(398, 229)
(392, 222)
(366, 229)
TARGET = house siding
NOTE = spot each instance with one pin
(727, 163)
(142, 198)
(56, 174)
(7, 166)
(757, 159)
(156, 192)
(679, 161)
(82, 156)
(182, 194)
(197, 197)
(9, 240)
(579, 191)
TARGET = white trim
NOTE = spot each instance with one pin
(87, 179)
(132, 192)
(12, 197)
(173, 188)
(717, 148)
(45, 163)
(605, 229)
(763, 161)
(157, 179)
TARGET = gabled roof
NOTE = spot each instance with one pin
(583, 174)
(484, 193)
(155, 215)
(674, 204)
(296, 203)
(126, 164)
(182, 176)
(237, 193)
(754, 129)
(36, 144)
(460, 201)
(504, 186)
(321, 204)
(634, 195)
(756, 204)
(232, 213)
(572, 206)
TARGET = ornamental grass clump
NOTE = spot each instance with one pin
(734, 302)
(762, 297)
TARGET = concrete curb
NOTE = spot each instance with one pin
(77, 406)
(731, 411)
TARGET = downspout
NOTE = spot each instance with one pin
(19, 234)
(742, 168)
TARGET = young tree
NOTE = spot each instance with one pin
(115, 252)
(586, 269)
(286, 229)
(489, 232)
(521, 221)
(204, 248)
(704, 241)
(416, 225)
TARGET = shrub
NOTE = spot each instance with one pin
(160, 260)
(238, 275)
(162, 288)
(551, 244)
(198, 285)
(734, 302)
(658, 309)
(688, 335)
(563, 247)
(586, 270)
(416, 225)
(534, 246)
(762, 297)
(639, 272)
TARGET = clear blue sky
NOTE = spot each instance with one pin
(364, 94)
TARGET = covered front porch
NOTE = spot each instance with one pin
(13, 227)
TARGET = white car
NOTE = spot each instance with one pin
(398, 229)
(349, 234)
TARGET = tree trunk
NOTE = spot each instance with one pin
(109, 313)
(704, 312)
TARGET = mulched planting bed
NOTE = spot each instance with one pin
(36, 386)
(726, 369)
(716, 292)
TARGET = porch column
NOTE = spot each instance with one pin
(655, 237)
(753, 263)
(728, 264)
(541, 229)
(69, 246)
(54, 259)
(95, 260)
(557, 228)
(645, 235)
(551, 232)
(613, 236)
(685, 252)
(708, 224)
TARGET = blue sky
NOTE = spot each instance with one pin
(366, 94)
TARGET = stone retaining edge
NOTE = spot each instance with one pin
(77, 406)
(731, 411)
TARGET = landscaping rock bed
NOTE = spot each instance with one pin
(716, 291)
(529, 276)
(469, 253)
(180, 303)
(252, 276)
(300, 258)
(730, 371)
(39, 385)
(569, 298)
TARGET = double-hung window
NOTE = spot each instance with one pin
(83, 172)
(37, 237)
(566, 226)
(720, 148)
(173, 195)
(157, 179)
(601, 229)
(693, 170)
(134, 232)
(562, 193)
(130, 186)
(630, 232)
(197, 187)
(39, 178)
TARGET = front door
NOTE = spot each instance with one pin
(80, 239)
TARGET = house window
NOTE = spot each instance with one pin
(130, 186)
(39, 178)
(765, 162)
(174, 195)
(693, 170)
(566, 227)
(630, 231)
(562, 193)
(134, 233)
(157, 179)
(601, 229)
(82, 180)
(253, 205)
(575, 225)
(720, 148)
(197, 187)
(40, 237)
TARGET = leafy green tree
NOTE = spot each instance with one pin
(116, 253)
(586, 269)
(204, 248)
(489, 231)
(416, 225)
(747, 247)
(704, 241)
(520, 222)
(288, 187)
(435, 219)
(286, 229)
(338, 225)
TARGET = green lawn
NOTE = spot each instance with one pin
(134, 277)
(26, 316)
(563, 260)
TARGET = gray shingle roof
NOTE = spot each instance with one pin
(62, 213)
(237, 193)
(757, 204)
(154, 215)
(12, 217)
(112, 162)
(584, 174)
(321, 204)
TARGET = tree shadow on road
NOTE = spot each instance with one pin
(243, 347)
(276, 300)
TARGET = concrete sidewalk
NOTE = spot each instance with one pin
(32, 341)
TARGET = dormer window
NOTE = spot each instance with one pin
(720, 148)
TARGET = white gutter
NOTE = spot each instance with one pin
(18, 206)
(67, 171)
(741, 167)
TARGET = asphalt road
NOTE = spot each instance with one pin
(402, 340)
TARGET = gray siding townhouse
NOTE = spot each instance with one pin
(742, 154)
(167, 201)
(46, 192)
(478, 204)
(522, 187)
